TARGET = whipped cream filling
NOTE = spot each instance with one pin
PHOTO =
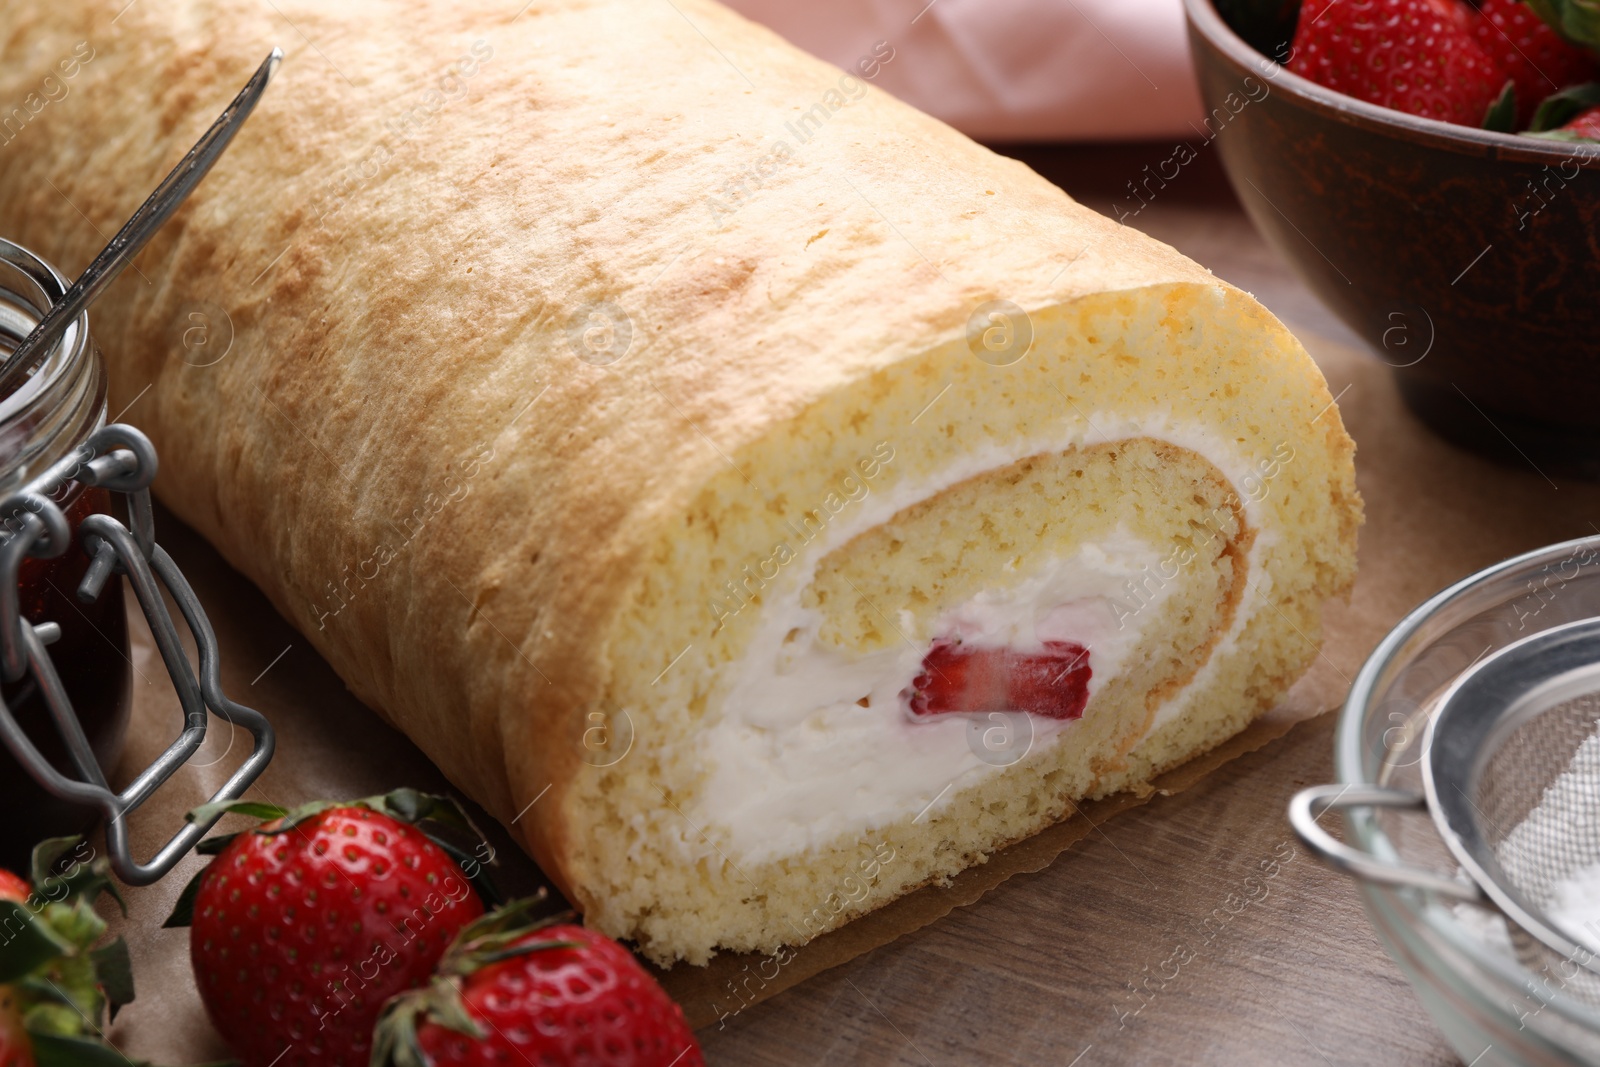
(802, 761)
(811, 743)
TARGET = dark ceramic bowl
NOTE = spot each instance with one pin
(1468, 260)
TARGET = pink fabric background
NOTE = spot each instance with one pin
(1013, 70)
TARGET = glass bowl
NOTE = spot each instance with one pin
(1457, 955)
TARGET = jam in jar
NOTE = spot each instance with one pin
(42, 422)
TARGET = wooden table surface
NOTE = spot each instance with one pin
(1073, 965)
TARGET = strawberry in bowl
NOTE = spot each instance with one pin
(1488, 63)
(1422, 57)
(1408, 159)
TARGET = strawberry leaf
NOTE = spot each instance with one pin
(45, 997)
(1502, 114)
(1562, 135)
(1576, 20)
(209, 813)
(495, 936)
(511, 920)
(1558, 109)
(113, 970)
(414, 807)
(51, 1049)
(213, 845)
(394, 1037)
(489, 939)
(521, 948)
(477, 873)
(62, 1050)
(409, 805)
(183, 909)
(29, 941)
(422, 809)
(84, 877)
(449, 1012)
(47, 855)
(285, 818)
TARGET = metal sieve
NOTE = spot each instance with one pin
(1511, 777)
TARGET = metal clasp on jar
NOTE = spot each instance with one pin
(122, 460)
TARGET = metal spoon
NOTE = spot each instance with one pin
(138, 229)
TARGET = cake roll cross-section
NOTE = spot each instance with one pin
(758, 496)
(955, 622)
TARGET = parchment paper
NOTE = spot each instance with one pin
(1434, 514)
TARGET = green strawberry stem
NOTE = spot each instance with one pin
(61, 983)
(494, 937)
(497, 936)
(1561, 135)
(1558, 109)
(1502, 114)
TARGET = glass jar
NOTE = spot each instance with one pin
(44, 420)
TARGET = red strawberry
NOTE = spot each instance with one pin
(305, 925)
(963, 678)
(1417, 56)
(1530, 53)
(512, 993)
(13, 887)
(15, 1048)
(1585, 125)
